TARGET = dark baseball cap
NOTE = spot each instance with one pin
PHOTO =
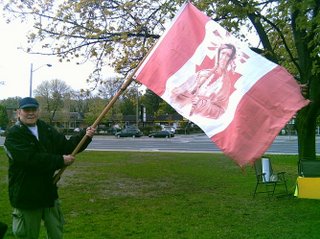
(28, 102)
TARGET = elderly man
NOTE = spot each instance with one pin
(35, 151)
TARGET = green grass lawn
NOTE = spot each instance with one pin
(173, 195)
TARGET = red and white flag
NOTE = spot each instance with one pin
(237, 97)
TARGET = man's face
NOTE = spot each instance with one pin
(28, 116)
(225, 56)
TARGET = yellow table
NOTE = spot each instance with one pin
(308, 188)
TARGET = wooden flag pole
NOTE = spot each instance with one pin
(124, 86)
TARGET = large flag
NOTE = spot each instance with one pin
(238, 98)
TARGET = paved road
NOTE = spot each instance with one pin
(185, 143)
(197, 143)
(194, 143)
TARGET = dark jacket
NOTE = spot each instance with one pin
(32, 163)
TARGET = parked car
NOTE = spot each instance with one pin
(170, 129)
(129, 132)
(161, 134)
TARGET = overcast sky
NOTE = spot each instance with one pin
(15, 65)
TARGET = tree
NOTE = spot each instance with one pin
(127, 102)
(4, 119)
(155, 105)
(79, 102)
(165, 108)
(51, 95)
(9, 104)
(109, 87)
(12, 102)
(120, 32)
(128, 106)
(151, 101)
(95, 105)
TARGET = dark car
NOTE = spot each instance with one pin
(161, 134)
(129, 132)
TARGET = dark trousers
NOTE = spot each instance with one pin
(3, 229)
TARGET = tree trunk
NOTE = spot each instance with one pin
(306, 128)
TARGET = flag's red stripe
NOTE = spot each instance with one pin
(259, 117)
(180, 44)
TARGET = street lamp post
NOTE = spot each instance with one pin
(31, 75)
(137, 109)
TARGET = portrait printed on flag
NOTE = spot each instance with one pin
(204, 93)
(207, 92)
